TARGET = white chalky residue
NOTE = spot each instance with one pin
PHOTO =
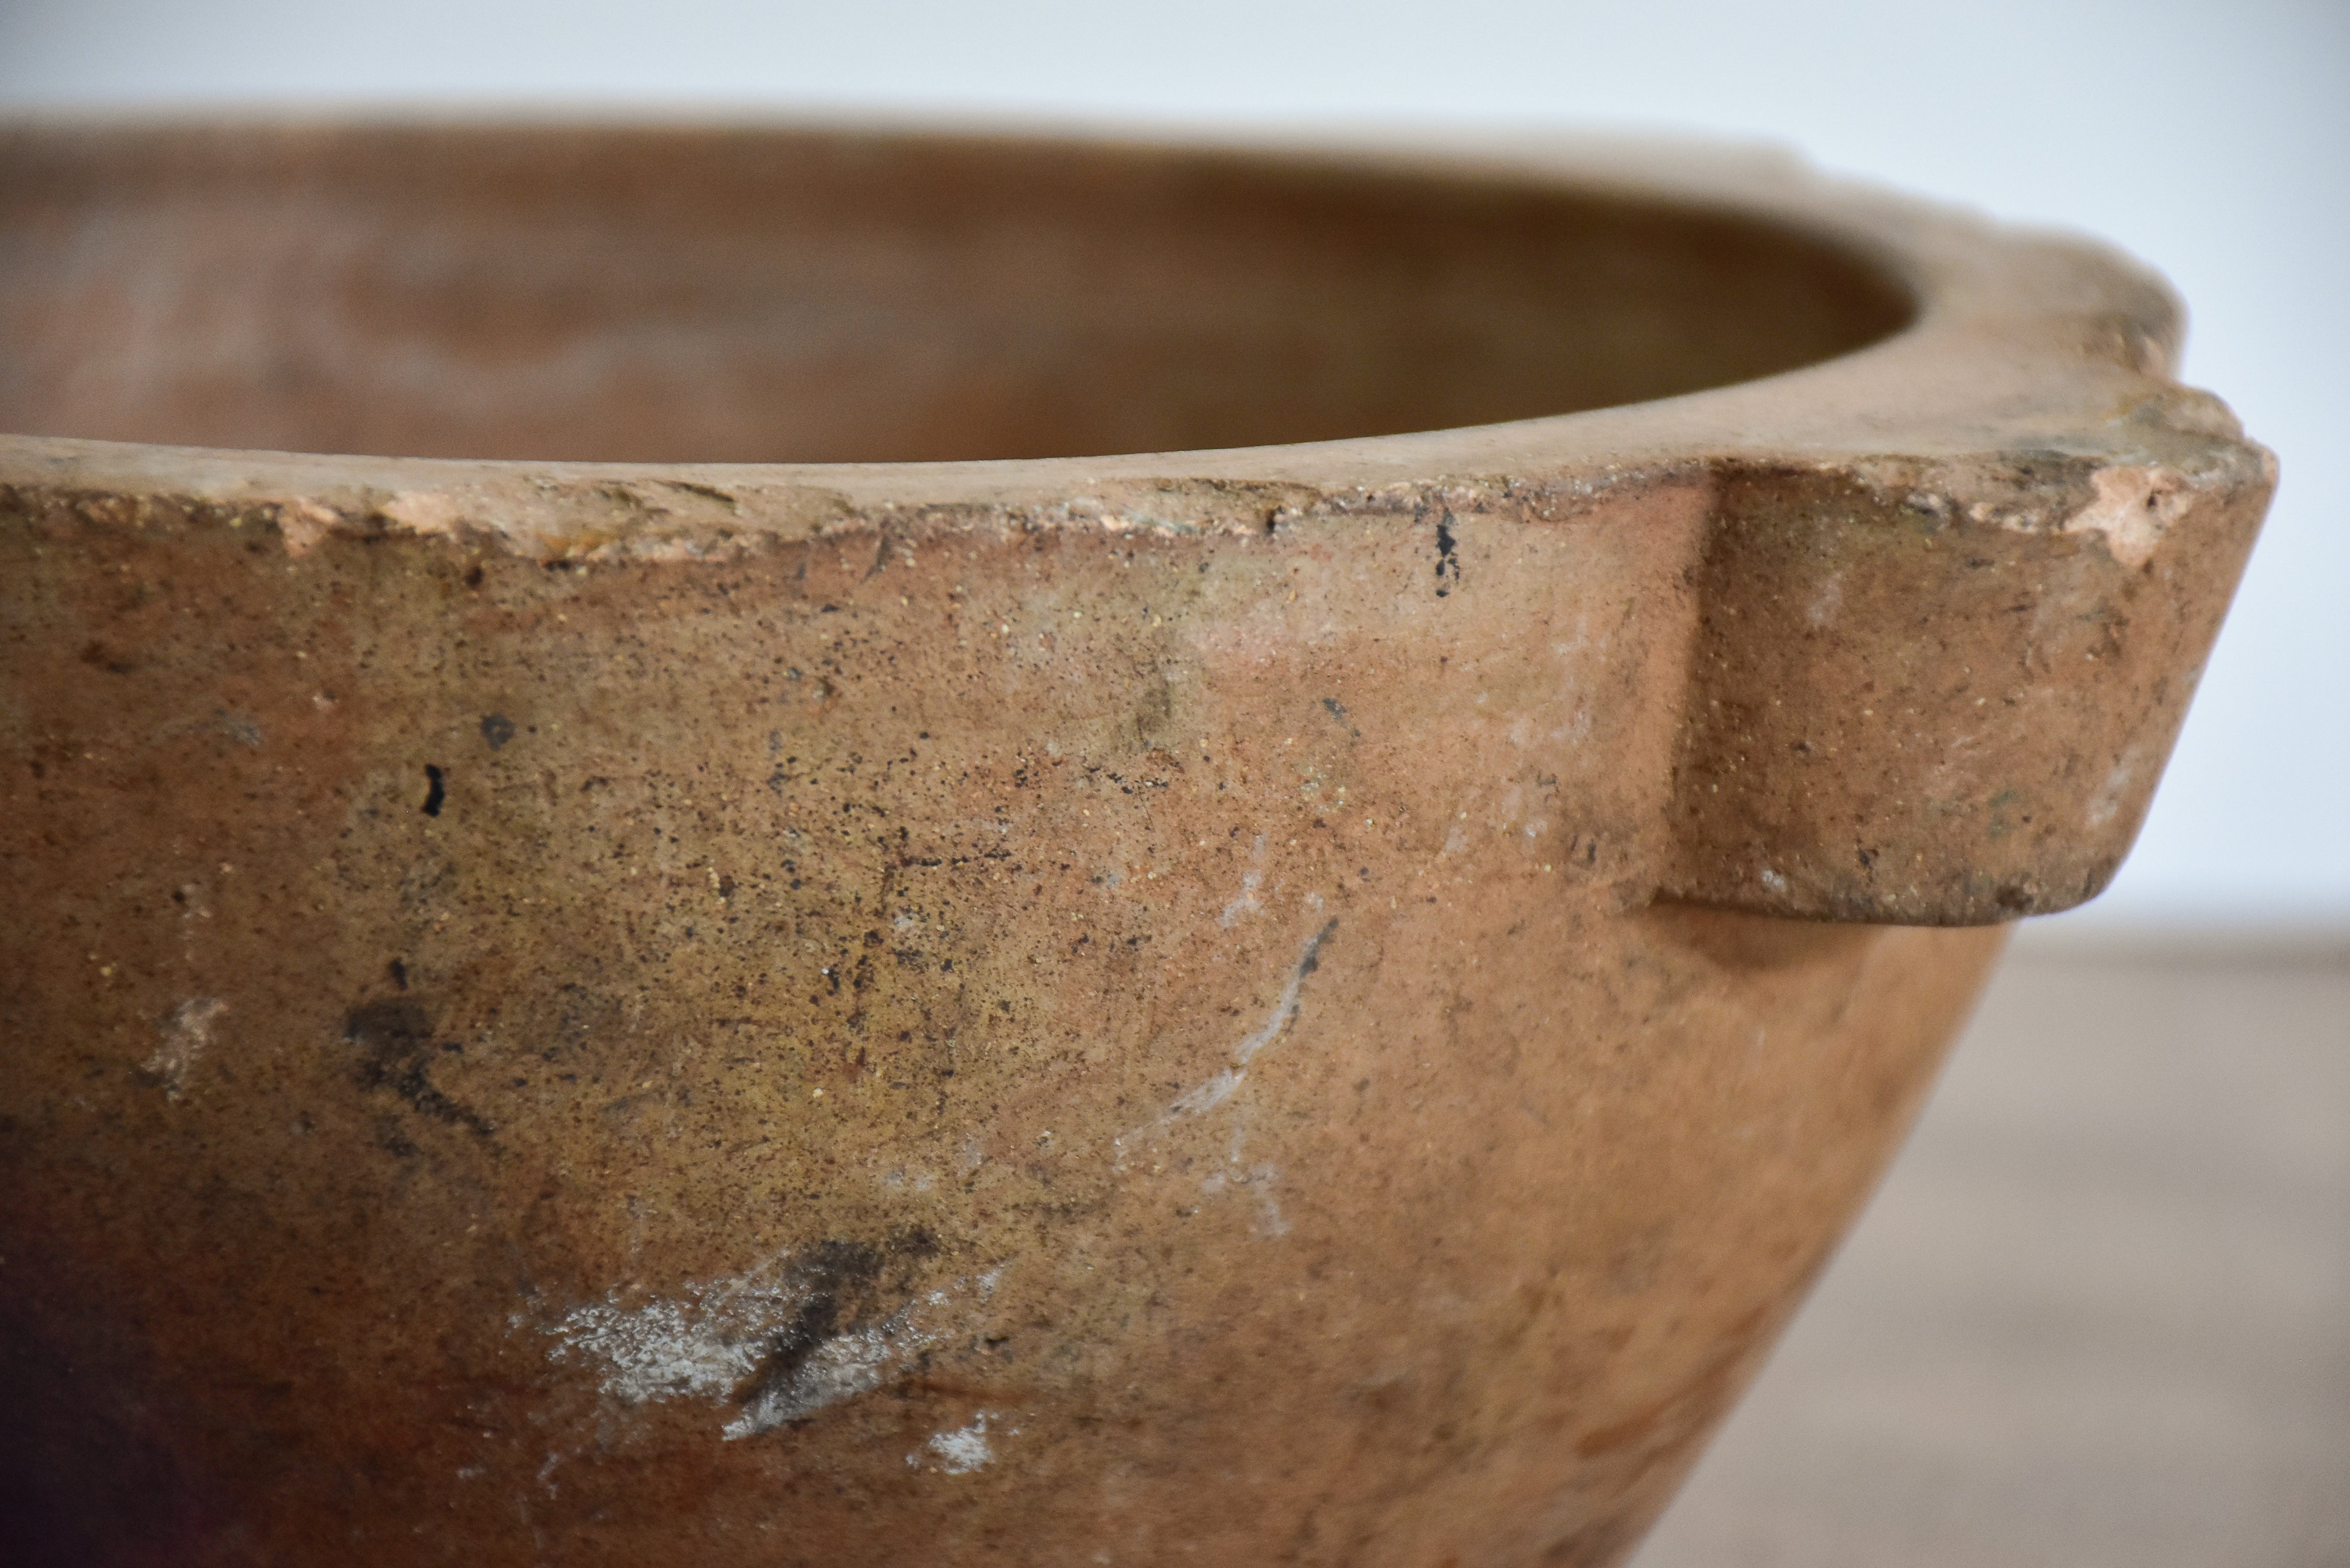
(964, 1449)
(2107, 804)
(1248, 903)
(1270, 1220)
(1206, 1096)
(705, 1342)
(1826, 601)
(712, 1338)
(185, 1035)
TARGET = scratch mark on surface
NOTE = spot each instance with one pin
(1284, 1011)
(1206, 1096)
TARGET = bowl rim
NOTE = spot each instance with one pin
(2019, 446)
(2020, 340)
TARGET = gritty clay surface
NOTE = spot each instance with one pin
(1312, 1003)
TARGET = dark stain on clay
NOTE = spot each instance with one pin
(497, 730)
(98, 655)
(1311, 958)
(1154, 711)
(391, 1140)
(850, 1287)
(88, 1472)
(832, 1270)
(394, 1040)
(1448, 564)
(436, 790)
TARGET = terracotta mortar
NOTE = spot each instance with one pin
(733, 958)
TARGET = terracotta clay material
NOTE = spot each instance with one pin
(735, 957)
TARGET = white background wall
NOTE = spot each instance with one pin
(2212, 140)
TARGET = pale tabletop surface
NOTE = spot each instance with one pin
(2100, 1311)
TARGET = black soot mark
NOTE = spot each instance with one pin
(844, 1288)
(1448, 564)
(436, 790)
(1311, 958)
(831, 1270)
(394, 1039)
(498, 728)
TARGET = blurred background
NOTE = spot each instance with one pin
(2101, 1313)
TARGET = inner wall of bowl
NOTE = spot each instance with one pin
(715, 296)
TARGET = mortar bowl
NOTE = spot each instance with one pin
(745, 846)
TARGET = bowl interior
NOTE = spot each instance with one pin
(708, 297)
